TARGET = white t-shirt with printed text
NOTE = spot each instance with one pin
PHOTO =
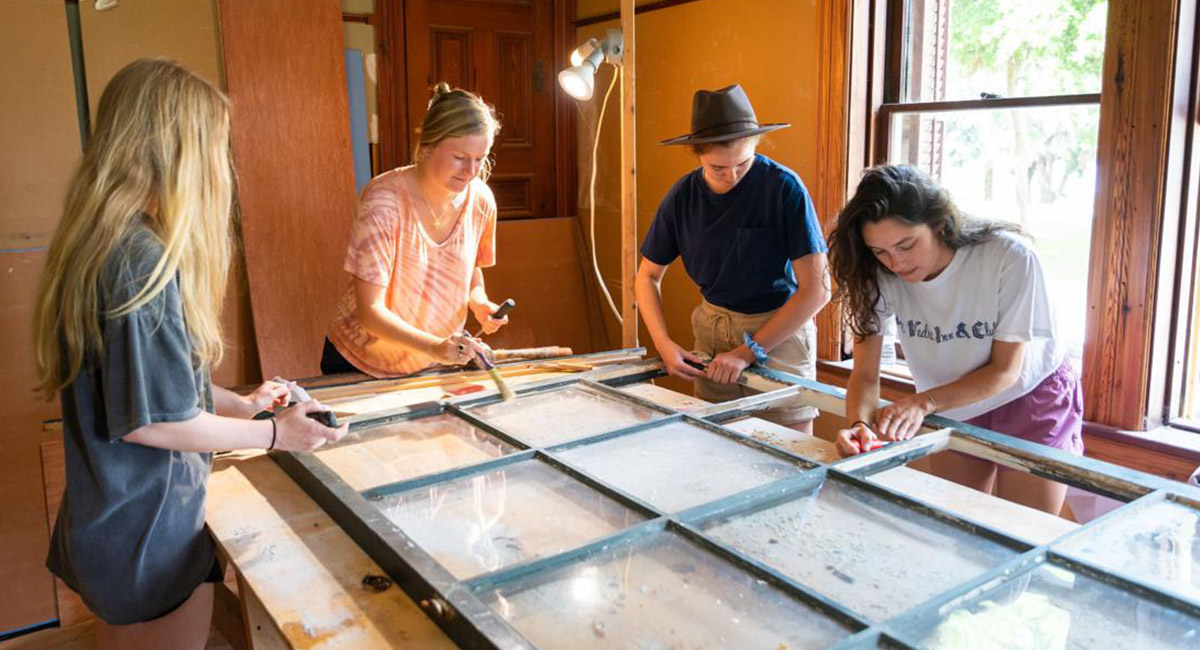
(995, 290)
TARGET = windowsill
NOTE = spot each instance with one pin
(895, 377)
(1166, 440)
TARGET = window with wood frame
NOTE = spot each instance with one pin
(1182, 408)
(998, 100)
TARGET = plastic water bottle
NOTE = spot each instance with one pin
(888, 356)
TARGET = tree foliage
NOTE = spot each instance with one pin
(1016, 48)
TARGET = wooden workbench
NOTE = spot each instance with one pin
(300, 576)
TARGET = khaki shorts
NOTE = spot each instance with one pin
(720, 330)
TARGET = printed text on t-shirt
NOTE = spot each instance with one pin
(920, 329)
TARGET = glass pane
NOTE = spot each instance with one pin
(1054, 608)
(1035, 167)
(554, 417)
(860, 550)
(662, 592)
(958, 49)
(405, 450)
(1159, 544)
(485, 522)
(1189, 410)
(678, 465)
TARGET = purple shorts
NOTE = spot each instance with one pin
(1051, 414)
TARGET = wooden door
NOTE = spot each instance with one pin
(502, 50)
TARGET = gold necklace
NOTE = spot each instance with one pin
(437, 218)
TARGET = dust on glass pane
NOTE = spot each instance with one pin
(558, 416)
(1053, 608)
(1159, 543)
(659, 592)
(678, 465)
(870, 555)
(487, 521)
(400, 451)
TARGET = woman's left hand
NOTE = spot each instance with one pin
(270, 393)
(901, 419)
(725, 368)
(483, 311)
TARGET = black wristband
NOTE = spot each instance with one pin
(274, 431)
(858, 422)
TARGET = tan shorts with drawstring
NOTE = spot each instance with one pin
(720, 330)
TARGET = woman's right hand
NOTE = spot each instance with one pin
(856, 440)
(295, 431)
(456, 350)
(674, 359)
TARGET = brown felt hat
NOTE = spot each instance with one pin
(721, 115)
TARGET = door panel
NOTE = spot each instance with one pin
(502, 50)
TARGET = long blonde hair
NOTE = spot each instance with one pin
(160, 147)
(454, 113)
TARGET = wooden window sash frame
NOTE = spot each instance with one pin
(1185, 307)
(1135, 244)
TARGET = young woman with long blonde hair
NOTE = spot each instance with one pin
(418, 247)
(127, 327)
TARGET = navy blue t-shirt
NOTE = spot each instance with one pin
(738, 246)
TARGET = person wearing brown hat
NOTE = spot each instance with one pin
(748, 234)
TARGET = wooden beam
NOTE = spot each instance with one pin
(566, 164)
(392, 96)
(1136, 142)
(833, 126)
(629, 327)
(641, 9)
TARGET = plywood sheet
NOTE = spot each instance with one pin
(38, 120)
(27, 591)
(291, 145)
(182, 30)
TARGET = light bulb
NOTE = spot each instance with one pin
(577, 81)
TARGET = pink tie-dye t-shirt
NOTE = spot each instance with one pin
(428, 283)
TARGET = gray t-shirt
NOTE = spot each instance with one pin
(130, 532)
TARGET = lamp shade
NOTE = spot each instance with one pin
(578, 81)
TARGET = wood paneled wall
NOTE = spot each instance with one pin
(291, 145)
(538, 265)
(39, 130)
(670, 68)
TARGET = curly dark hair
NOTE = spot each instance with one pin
(893, 192)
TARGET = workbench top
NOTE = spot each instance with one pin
(300, 576)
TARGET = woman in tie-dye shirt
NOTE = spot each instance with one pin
(422, 236)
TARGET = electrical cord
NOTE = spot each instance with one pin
(592, 198)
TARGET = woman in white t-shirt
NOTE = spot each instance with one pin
(975, 321)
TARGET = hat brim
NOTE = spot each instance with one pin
(724, 137)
